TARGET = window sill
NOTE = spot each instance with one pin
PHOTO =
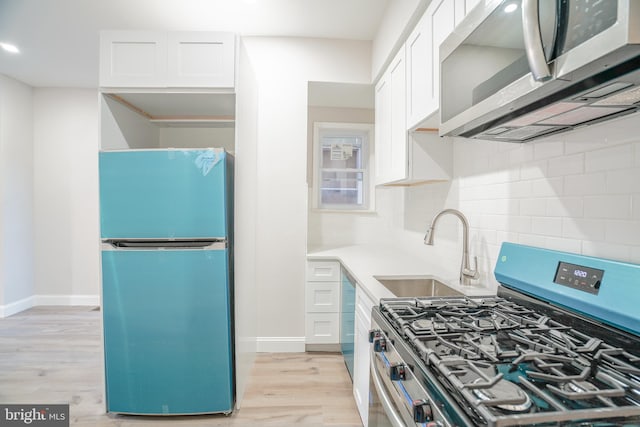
(346, 211)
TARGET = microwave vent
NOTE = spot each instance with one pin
(582, 115)
(605, 90)
(627, 97)
(526, 132)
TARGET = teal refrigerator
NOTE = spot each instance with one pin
(166, 220)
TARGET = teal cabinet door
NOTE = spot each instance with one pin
(347, 319)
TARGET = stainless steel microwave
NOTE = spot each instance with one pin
(517, 70)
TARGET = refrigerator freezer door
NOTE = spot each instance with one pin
(167, 331)
(163, 194)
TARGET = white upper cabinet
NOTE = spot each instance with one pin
(423, 59)
(201, 59)
(144, 59)
(133, 59)
(391, 125)
(419, 82)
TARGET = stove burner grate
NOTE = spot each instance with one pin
(502, 361)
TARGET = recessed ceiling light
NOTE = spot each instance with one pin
(510, 7)
(9, 48)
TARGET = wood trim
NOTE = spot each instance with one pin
(426, 130)
(129, 105)
(173, 119)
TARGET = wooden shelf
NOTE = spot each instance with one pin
(182, 109)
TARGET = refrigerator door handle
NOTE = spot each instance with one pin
(146, 245)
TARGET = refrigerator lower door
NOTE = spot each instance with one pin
(167, 331)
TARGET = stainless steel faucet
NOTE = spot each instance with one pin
(466, 272)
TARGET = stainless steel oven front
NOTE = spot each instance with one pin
(400, 394)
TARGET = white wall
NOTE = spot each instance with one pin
(203, 137)
(66, 197)
(283, 67)
(16, 196)
(339, 228)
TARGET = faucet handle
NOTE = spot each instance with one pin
(472, 273)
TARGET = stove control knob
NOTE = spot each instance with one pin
(397, 372)
(373, 334)
(422, 412)
(379, 344)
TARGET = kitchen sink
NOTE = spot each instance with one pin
(416, 286)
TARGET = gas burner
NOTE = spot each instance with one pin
(579, 387)
(504, 395)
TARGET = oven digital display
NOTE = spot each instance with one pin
(579, 277)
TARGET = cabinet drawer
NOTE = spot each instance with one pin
(323, 271)
(322, 297)
(323, 328)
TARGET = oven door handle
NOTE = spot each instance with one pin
(392, 414)
(533, 41)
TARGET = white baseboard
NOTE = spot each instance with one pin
(280, 344)
(16, 307)
(67, 300)
(36, 300)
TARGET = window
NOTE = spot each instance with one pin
(342, 159)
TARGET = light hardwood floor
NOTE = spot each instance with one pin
(53, 355)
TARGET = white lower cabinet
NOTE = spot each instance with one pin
(322, 302)
(364, 304)
(323, 328)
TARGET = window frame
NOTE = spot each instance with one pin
(364, 129)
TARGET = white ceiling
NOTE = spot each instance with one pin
(58, 39)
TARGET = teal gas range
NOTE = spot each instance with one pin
(558, 345)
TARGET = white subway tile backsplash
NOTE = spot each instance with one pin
(566, 245)
(566, 165)
(522, 154)
(532, 240)
(506, 236)
(520, 189)
(546, 226)
(519, 224)
(615, 132)
(565, 207)
(583, 229)
(499, 160)
(623, 181)
(576, 192)
(534, 170)
(615, 206)
(547, 187)
(533, 207)
(547, 149)
(481, 237)
(491, 222)
(610, 158)
(590, 183)
(622, 232)
(607, 250)
(495, 191)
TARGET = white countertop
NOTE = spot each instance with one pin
(365, 261)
